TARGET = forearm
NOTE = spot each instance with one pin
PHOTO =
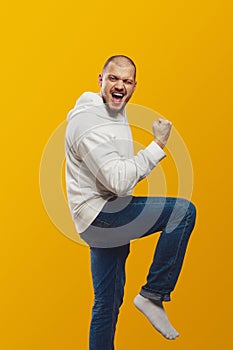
(117, 174)
(159, 143)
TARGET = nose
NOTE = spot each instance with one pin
(119, 84)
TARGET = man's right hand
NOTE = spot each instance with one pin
(161, 130)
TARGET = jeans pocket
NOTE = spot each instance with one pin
(99, 222)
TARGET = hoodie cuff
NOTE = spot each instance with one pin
(156, 152)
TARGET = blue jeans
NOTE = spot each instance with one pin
(134, 217)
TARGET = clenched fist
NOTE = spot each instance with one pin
(161, 130)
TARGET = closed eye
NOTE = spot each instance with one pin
(129, 82)
(112, 78)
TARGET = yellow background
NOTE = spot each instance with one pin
(52, 51)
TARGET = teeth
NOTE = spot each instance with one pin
(117, 95)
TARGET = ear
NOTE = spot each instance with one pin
(135, 84)
(100, 79)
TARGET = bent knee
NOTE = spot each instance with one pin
(187, 207)
(192, 212)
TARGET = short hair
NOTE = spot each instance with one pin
(116, 59)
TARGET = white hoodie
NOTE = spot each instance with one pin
(100, 161)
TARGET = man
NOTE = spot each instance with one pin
(101, 172)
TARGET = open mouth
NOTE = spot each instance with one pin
(117, 97)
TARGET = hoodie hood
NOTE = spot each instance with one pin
(93, 101)
(85, 101)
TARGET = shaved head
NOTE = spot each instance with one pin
(121, 61)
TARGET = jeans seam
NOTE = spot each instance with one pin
(178, 248)
(181, 238)
(114, 300)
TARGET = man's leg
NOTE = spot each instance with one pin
(108, 275)
(176, 223)
(140, 217)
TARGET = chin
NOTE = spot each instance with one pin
(116, 108)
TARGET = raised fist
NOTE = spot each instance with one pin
(161, 130)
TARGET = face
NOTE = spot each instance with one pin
(117, 85)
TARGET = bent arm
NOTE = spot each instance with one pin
(118, 174)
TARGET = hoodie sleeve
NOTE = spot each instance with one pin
(117, 174)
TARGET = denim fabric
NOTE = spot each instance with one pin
(134, 217)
